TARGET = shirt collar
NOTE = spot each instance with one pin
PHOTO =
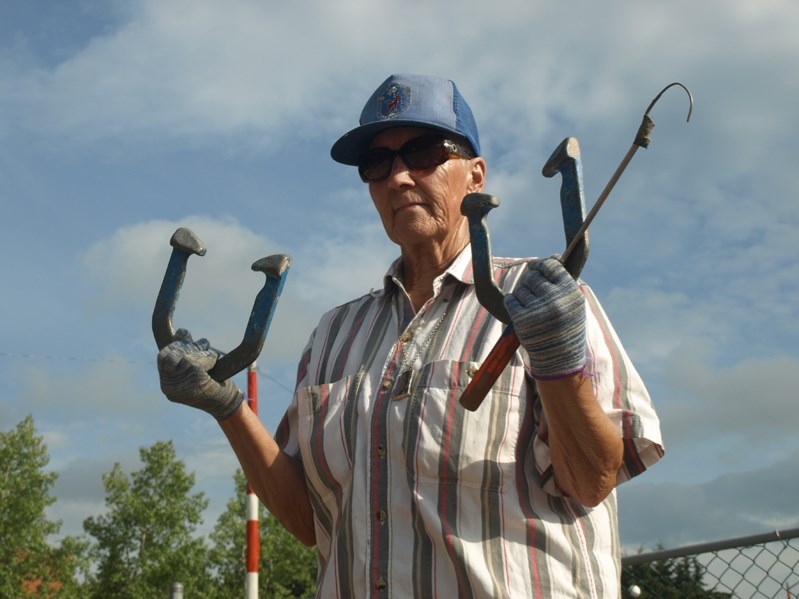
(460, 269)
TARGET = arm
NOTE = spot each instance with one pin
(548, 314)
(276, 477)
(585, 447)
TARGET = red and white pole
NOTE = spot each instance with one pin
(252, 503)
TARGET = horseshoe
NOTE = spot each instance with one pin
(185, 243)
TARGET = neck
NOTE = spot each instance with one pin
(421, 266)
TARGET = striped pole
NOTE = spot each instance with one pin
(253, 536)
(176, 592)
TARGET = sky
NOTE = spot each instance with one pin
(123, 120)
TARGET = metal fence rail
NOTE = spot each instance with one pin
(757, 566)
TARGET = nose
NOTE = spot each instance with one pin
(400, 175)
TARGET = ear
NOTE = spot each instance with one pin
(477, 175)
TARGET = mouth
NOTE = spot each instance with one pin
(408, 206)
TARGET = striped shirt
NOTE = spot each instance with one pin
(414, 496)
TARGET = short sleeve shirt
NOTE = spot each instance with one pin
(413, 495)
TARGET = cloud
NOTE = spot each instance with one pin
(219, 288)
(131, 259)
(693, 256)
(68, 391)
(753, 399)
(79, 487)
(191, 69)
(736, 504)
(80, 492)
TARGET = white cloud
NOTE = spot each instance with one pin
(68, 392)
(693, 256)
(676, 514)
(219, 288)
(198, 68)
(131, 262)
(754, 399)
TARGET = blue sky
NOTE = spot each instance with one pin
(122, 120)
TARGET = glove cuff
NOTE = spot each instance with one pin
(230, 408)
(584, 370)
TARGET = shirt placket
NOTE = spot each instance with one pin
(380, 469)
(396, 387)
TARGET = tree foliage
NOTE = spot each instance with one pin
(29, 564)
(673, 578)
(146, 541)
(287, 568)
(228, 553)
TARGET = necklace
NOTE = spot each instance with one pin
(412, 351)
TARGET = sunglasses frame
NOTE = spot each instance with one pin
(450, 150)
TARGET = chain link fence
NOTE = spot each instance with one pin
(758, 566)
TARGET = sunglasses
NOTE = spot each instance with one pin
(419, 153)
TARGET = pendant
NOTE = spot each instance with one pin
(403, 386)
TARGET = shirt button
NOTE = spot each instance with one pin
(381, 451)
(381, 516)
(387, 384)
(473, 370)
(380, 584)
(406, 336)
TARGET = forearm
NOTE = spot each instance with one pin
(276, 477)
(585, 447)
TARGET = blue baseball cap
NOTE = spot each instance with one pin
(409, 101)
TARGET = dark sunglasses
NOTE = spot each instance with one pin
(419, 153)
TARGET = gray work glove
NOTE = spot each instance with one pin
(183, 366)
(548, 314)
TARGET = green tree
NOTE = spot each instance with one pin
(29, 564)
(672, 578)
(146, 541)
(287, 568)
(228, 549)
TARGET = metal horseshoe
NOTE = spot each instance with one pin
(503, 350)
(184, 244)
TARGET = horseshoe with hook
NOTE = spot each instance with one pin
(503, 350)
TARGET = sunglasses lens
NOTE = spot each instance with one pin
(375, 164)
(421, 153)
(424, 153)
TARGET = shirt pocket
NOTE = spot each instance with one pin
(326, 422)
(446, 444)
